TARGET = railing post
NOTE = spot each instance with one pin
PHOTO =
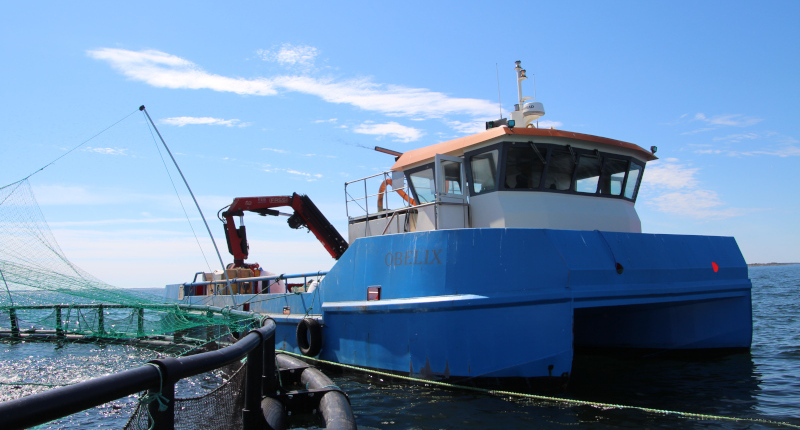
(210, 329)
(164, 420)
(140, 325)
(270, 382)
(12, 315)
(59, 324)
(252, 418)
(101, 321)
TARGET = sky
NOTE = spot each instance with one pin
(270, 98)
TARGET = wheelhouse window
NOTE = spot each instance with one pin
(484, 172)
(536, 166)
(559, 170)
(524, 166)
(614, 170)
(423, 184)
(633, 180)
(452, 178)
(588, 173)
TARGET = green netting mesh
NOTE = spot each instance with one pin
(42, 294)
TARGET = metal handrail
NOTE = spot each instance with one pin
(404, 209)
(256, 278)
(365, 178)
(159, 376)
(350, 199)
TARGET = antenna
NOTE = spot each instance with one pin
(499, 101)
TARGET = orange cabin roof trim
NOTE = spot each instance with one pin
(457, 146)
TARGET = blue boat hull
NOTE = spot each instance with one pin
(478, 303)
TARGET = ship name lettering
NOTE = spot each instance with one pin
(413, 258)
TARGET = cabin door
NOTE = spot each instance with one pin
(452, 209)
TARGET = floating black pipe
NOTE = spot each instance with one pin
(274, 413)
(333, 406)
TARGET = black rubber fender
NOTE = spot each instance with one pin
(309, 337)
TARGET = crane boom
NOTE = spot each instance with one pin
(305, 214)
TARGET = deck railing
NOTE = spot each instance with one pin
(364, 202)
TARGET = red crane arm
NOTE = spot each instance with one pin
(305, 214)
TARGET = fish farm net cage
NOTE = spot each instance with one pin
(43, 294)
(45, 297)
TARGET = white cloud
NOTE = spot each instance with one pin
(279, 151)
(283, 151)
(106, 151)
(757, 143)
(670, 175)
(331, 121)
(401, 133)
(467, 127)
(163, 70)
(735, 120)
(392, 100)
(718, 121)
(699, 204)
(673, 188)
(310, 177)
(784, 151)
(290, 55)
(180, 121)
(735, 138)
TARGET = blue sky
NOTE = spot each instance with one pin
(267, 98)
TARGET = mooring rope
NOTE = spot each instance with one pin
(539, 397)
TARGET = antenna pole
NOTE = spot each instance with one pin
(141, 108)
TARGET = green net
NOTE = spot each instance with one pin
(44, 296)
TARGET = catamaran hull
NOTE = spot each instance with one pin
(507, 303)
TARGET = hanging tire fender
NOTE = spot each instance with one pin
(309, 337)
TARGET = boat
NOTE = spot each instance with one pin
(494, 255)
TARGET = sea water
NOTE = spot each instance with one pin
(762, 384)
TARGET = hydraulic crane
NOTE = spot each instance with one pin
(305, 214)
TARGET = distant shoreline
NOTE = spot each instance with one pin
(770, 264)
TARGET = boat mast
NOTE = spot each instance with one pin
(520, 77)
(525, 113)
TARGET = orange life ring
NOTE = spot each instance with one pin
(401, 193)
